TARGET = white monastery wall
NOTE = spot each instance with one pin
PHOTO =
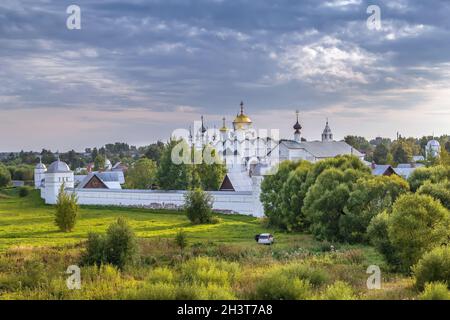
(247, 203)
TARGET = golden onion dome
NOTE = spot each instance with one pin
(242, 118)
(224, 127)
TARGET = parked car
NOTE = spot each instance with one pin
(264, 238)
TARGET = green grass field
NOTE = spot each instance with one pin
(29, 222)
(34, 255)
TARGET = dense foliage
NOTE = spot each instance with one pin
(142, 175)
(434, 266)
(5, 176)
(66, 210)
(198, 206)
(118, 247)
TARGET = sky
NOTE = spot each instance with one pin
(139, 69)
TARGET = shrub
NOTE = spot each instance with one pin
(338, 291)
(119, 246)
(435, 291)
(275, 286)
(418, 223)
(24, 191)
(181, 239)
(5, 176)
(433, 267)
(198, 206)
(314, 275)
(203, 270)
(95, 249)
(161, 275)
(66, 210)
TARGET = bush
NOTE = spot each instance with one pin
(121, 244)
(418, 224)
(338, 291)
(66, 210)
(95, 249)
(198, 206)
(181, 239)
(275, 286)
(435, 291)
(205, 271)
(433, 267)
(5, 176)
(161, 275)
(314, 275)
(24, 191)
(119, 247)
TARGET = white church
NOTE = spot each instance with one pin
(247, 155)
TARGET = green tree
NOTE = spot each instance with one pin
(418, 224)
(198, 206)
(439, 191)
(325, 201)
(210, 172)
(5, 176)
(377, 232)
(380, 154)
(142, 175)
(401, 151)
(359, 143)
(370, 196)
(292, 197)
(99, 162)
(433, 174)
(173, 175)
(66, 210)
(154, 151)
(271, 195)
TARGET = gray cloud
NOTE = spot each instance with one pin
(172, 56)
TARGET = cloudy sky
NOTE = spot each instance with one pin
(139, 69)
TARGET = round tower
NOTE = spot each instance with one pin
(58, 174)
(39, 174)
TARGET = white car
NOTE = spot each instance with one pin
(264, 238)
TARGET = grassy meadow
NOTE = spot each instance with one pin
(222, 260)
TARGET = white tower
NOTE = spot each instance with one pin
(327, 135)
(58, 173)
(39, 174)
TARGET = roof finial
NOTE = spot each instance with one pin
(203, 127)
(40, 158)
(242, 107)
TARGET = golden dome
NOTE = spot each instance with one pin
(224, 127)
(242, 118)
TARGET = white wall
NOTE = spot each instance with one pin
(228, 202)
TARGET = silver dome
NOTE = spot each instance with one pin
(433, 143)
(58, 167)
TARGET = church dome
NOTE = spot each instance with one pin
(433, 144)
(108, 164)
(242, 118)
(58, 167)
